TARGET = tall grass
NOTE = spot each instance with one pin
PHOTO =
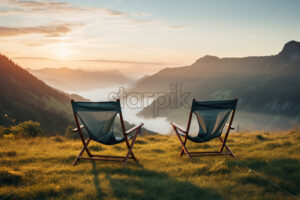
(41, 168)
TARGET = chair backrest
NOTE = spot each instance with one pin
(98, 119)
(211, 117)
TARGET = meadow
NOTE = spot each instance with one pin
(268, 167)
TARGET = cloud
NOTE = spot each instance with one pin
(113, 12)
(174, 27)
(41, 6)
(46, 6)
(142, 14)
(46, 10)
(49, 31)
(41, 41)
(135, 21)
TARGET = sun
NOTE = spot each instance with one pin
(63, 52)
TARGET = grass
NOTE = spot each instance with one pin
(41, 168)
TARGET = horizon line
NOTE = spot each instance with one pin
(94, 60)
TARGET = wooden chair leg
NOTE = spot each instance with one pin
(227, 148)
(130, 150)
(133, 157)
(77, 159)
(182, 150)
(81, 152)
(131, 153)
(183, 145)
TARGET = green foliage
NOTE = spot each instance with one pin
(4, 131)
(27, 129)
(31, 129)
(16, 130)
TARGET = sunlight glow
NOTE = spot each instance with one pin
(62, 53)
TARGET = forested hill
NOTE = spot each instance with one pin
(25, 97)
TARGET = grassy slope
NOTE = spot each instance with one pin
(46, 163)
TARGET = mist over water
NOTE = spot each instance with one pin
(159, 124)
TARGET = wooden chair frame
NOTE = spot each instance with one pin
(123, 159)
(204, 153)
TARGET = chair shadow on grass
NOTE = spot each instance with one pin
(141, 183)
(95, 172)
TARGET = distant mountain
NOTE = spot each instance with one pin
(267, 85)
(141, 79)
(25, 97)
(73, 80)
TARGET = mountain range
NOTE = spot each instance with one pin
(74, 80)
(265, 85)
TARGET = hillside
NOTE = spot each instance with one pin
(25, 97)
(267, 168)
(73, 80)
(267, 85)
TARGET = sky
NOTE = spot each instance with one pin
(142, 36)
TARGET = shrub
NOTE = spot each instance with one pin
(27, 128)
(16, 130)
(31, 128)
(8, 136)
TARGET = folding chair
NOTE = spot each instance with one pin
(211, 117)
(98, 118)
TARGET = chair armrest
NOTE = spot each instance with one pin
(134, 128)
(178, 127)
(228, 125)
(76, 129)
